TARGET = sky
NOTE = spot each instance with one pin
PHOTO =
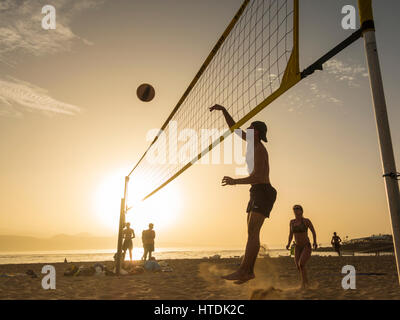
(71, 126)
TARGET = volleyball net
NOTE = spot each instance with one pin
(254, 61)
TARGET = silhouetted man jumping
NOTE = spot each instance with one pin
(262, 194)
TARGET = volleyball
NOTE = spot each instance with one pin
(145, 92)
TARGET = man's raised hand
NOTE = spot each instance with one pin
(217, 107)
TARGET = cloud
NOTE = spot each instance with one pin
(21, 30)
(21, 34)
(310, 95)
(17, 95)
(345, 72)
(317, 90)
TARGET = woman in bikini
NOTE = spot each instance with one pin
(299, 227)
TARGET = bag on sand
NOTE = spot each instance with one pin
(165, 266)
(71, 271)
(99, 269)
(152, 265)
(136, 270)
(122, 272)
(85, 271)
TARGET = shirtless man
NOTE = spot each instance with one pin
(262, 194)
(128, 235)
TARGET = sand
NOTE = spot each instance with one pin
(199, 279)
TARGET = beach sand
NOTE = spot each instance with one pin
(199, 279)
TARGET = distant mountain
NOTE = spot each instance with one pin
(59, 242)
(84, 234)
(81, 241)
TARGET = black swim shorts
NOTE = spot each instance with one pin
(127, 244)
(262, 199)
(148, 247)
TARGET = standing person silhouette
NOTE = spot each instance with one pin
(335, 242)
(128, 235)
(148, 237)
(302, 252)
(262, 194)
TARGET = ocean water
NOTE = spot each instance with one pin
(159, 254)
(108, 254)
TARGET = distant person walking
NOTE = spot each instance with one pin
(262, 193)
(336, 243)
(302, 253)
(128, 235)
(148, 237)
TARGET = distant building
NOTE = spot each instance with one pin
(374, 238)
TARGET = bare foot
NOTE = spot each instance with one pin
(245, 278)
(233, 276)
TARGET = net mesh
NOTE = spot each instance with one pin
(247, 68)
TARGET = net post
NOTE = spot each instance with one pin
(121, 228)
(296, 30)
(382, 123)
(366, 15)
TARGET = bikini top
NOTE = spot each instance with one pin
(301, 228)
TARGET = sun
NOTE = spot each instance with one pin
(107, 200)
(162, 209)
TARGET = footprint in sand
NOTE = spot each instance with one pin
(266, 294)
(273, 293)
(212, 273)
